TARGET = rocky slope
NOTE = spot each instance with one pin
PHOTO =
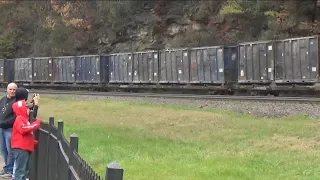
(56, 28)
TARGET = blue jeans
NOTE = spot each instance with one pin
(22, 160)
(6, 150)
(2, 147)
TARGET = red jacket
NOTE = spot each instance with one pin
(22, 133)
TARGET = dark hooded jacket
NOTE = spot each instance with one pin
(7, 116)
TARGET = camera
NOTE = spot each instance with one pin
(34, 95)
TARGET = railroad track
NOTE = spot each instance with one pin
(181, 96)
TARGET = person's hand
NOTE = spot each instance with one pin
(36, 99)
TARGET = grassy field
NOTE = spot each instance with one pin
(176, 143)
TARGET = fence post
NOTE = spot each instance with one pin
(74, 141)
(51, 121)
(114, 171)
(60, 126)
(35, 158)
(51, 124)
(59, 139)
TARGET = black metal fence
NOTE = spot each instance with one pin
(57, 159)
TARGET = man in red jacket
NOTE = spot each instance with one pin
(22, 141)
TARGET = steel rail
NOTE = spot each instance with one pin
(179, 96)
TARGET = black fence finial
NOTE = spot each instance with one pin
(74, 141)
(114, 171)
(60, 125)
(51, 121)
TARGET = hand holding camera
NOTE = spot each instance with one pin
(35, 99)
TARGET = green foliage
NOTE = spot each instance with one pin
(118, 12)
(247, 7)
(60, 40)
(232, 8)
(272, 13)
(253, 16)
(7, 43)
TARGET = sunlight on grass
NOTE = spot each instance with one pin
(166, 142)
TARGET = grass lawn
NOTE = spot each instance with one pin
(176, 143)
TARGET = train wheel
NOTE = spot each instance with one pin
(254, 93)
(275, 94)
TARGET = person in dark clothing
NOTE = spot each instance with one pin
(7, 118)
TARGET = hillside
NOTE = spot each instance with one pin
(56, 28)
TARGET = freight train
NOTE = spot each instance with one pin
(256, 68)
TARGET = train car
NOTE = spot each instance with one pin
(213, 65)
(6, 71)
(23, 70)
(121, 67)
(174, 66)
(63, 69)
(256, 66)
(256, 62)
(42, 70)
(297, 60)
(92, 69)
(297, 64)
(146, 67)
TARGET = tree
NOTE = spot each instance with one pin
(7, 43)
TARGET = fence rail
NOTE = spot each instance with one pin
(57, 159)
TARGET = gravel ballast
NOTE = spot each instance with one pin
(256, 108)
